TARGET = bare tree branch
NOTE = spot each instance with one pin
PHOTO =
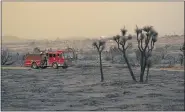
(6, 57)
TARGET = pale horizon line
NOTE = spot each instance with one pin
(77, 37)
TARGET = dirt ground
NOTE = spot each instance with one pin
(79, 88)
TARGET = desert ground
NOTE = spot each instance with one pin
(79, 88)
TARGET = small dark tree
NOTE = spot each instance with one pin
(182, 55)
(146, 39)
(100, 46)
(7, 57)
(181, 59)
(183, 47)
(122, 40)
(36, 50)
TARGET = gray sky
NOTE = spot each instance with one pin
(61, 19)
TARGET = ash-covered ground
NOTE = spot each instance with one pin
(79, 88)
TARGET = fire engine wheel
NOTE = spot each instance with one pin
(55, 66)
(34, 65)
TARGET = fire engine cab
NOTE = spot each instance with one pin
(53, 59)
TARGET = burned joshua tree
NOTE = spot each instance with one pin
(123, 42)
(146, 39)
(100, 46)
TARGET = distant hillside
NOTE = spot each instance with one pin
(10, 38)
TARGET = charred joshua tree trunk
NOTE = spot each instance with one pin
(122, 40)
(100, 46)
(101, 68)
(147, 74)
(129, 67)
(149, 64)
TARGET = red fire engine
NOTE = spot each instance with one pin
(53, 59)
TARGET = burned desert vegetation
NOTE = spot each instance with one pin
(54, 57)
